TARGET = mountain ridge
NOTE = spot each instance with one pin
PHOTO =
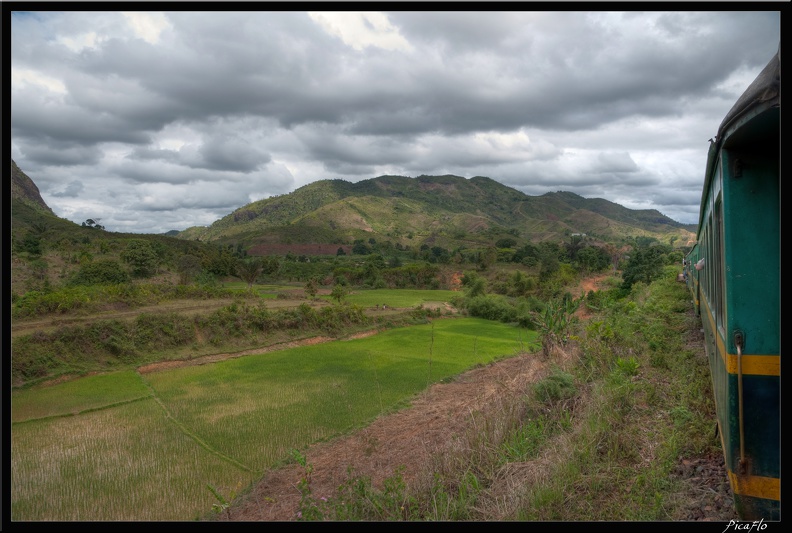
(446, 208)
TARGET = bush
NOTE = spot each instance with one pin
(491, 307)
(556, 387)
(100, 273)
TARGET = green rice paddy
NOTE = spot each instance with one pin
(125, 446)
(399, 297)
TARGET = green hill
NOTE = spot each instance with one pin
(429, 209)
(403, 216)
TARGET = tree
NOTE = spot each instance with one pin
(311, 288)
(616, 253)
(488, 257)
(340, 251)
(248, 271)
(31, 244)
(548, 261)
(338, 293)
(360, 248)
(645, 264)
(474, 284)
(92, 223)
(505, 243)
(574, 246)
(593, 259)
(188, 267)
(520, 284)
(269, 265)
(222, 262)
(140, 254)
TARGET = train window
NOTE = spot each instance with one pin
(705, 252)
(717, 265)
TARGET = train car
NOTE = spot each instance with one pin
(733, 273)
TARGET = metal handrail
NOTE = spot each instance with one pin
(738, 339)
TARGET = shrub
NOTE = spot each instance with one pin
(558, 386)
(100, 273)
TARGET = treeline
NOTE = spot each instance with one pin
(96, 297)
(58, 258)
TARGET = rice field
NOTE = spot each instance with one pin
(399, 297)
(267, 291)
(125, 446)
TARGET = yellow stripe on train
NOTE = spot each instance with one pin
(756, 486)
(757, 365)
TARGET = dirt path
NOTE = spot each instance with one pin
(587, 285)
(27, 326)
(186, 307)
(404, 440)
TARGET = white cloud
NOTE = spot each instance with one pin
(21, 78)
(78, 43)
(147, 26)
(362, 29)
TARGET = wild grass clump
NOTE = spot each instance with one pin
(558, 386)
(113, 464)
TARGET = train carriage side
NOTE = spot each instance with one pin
(738, 282)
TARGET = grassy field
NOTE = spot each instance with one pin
(399, 297)
(114, 446)
(266, 291)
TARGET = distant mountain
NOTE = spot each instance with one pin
(447, 211)
(23, 189)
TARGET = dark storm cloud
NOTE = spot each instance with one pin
(65, 123)
(72, 189)
(196, 112)
(61, 153)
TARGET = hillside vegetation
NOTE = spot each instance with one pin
(451, 210)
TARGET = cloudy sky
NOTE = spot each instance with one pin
(154, 121)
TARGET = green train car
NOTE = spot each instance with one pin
(733, 274)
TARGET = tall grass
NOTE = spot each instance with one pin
(124, 463)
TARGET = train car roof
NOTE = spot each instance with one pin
(765, 89)
(763, 93)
